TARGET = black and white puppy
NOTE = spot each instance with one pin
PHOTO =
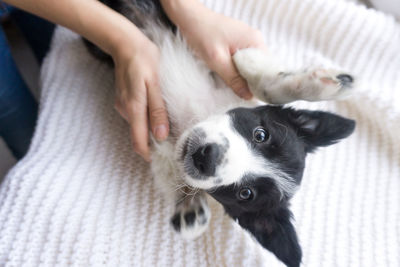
(249, 157)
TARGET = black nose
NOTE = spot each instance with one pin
(205, 159)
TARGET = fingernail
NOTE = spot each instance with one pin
(147, 158)
(137, 152)
(245, 93)
(161, 132)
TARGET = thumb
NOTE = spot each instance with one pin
(228, 72)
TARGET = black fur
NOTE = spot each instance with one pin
(293, 133)
(266, 216)
(317, 128)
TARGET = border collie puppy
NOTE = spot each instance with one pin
(249, 157)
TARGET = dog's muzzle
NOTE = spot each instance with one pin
(201, 156)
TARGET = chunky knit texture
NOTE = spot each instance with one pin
(82, 198)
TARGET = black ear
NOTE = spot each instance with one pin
(318, 128)
(276, 233)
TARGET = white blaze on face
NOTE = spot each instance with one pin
(238, 160)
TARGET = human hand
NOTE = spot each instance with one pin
(138, 95)
(215, 38)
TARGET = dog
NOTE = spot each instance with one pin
(248, 156)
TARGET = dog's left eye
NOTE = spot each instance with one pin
(245, 194)
(260, 135)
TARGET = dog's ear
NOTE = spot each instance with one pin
(318, 128)
(276, 233)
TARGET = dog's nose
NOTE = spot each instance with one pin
(205, 159)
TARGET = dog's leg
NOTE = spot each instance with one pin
(192, 214)
(270, 83)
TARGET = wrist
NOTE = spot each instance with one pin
(114, 33)
(123, 43)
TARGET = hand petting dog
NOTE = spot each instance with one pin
(138, 92)
(139, 99)
(138, 95)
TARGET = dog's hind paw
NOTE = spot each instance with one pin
(327, 85)
(191, 217)
(268, 82)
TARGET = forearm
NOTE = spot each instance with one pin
(89, 18)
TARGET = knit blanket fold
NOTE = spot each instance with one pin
(80, 197)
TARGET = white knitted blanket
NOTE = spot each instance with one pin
(82, 198)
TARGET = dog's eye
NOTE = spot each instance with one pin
(260, 135)
(245, 194)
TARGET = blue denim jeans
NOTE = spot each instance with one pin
(18, 108)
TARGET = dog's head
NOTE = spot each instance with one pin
(251, 160)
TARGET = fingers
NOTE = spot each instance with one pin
(138, 96)
(226, 69)
(144, 105)
(137, 119)
(157, 112)
(121, 110)
(132, 106)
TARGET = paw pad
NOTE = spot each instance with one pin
(327, 84)
(191, 220)
(345, 80)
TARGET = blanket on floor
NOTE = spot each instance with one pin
(80, 197)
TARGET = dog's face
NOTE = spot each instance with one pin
(247, 144)
(251, 160)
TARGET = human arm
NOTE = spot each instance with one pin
(135, 57)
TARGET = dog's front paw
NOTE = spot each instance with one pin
(255, 64)
(191, 217)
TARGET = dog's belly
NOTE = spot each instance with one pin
(190, 91)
